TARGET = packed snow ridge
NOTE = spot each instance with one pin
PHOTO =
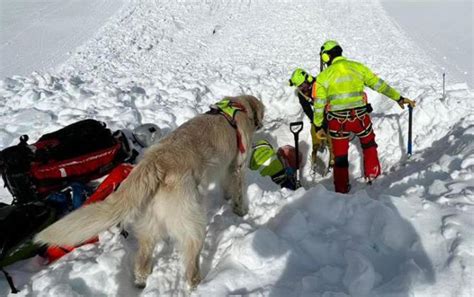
(409, 234)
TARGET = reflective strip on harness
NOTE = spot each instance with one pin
(346, 114)
(366, 131)
(339, 134)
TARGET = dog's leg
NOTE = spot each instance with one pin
(188, 227)
(192, 250)
(191, 238)
(228, 183)
(233, 184)
(144, 256)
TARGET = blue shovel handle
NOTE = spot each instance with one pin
(410, 122)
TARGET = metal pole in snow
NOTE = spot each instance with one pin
(444, 85)
(410, 121)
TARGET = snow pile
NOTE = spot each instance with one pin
(410, 234)
(323, 243)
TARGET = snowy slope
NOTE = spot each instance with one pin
(410, 234)
(38, 35)
(445, 31)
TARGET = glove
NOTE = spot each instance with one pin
(402, 101)
(321, 134)
(289, 171)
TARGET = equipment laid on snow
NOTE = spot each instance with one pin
(107, 187)
(82, 151)
(47, 180)
(296, 128)
(142, 136)
(410, 121)
(147, 134)
(69, 199)
(18, 224)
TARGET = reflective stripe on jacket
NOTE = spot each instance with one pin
(341, 87)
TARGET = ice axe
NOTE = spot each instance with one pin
(296, 128)
(410, 121)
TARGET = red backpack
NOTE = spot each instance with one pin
(81, 152)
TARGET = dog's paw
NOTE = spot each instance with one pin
(139, 284)
(140, 281)
(194, 282)
(240, 209)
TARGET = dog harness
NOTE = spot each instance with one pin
(229, 109)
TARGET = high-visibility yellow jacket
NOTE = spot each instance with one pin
(341, 87)
(265, 159)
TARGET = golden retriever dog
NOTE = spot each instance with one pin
(163, 194)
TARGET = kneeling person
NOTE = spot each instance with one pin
(273, 164)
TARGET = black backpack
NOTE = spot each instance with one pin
(18, 224)
(81, 152)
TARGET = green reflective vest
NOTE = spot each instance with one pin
(225, 105)
(341, 87)
(265, 159)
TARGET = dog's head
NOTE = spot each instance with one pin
(255, 109)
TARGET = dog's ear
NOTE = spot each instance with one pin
(258, 110)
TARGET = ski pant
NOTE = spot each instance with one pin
(339, 131)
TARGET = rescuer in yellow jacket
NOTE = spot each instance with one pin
(304, 83)
(339, 95)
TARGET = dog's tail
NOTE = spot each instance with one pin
(88, 221)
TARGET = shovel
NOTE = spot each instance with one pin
(296, 128)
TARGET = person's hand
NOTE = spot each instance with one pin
(321, 134)
(405, 101)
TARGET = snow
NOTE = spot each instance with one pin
(409, 234)
(39, 35)
(443, 29)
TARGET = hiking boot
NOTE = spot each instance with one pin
(370, 179)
